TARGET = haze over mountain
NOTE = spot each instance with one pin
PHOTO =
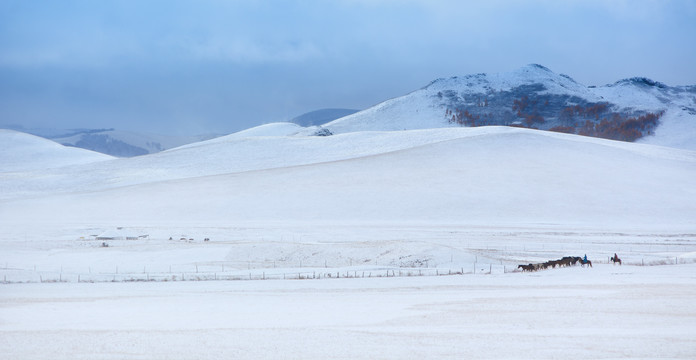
(24, 152)
(321, 117)
(111, 141)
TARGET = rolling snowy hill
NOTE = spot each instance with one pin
(487, 175)
(24, 152)
(374, 219)
(110, 141)
(536, 97)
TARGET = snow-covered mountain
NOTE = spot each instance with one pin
(534, 96)
(24, 152)
(111, 141)
(321, 116)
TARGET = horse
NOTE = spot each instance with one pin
(615, 259)
(583, 263)
(529, 267)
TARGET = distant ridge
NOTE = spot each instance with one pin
(24, 152)
(321, 116)
(635, 109)
(111, 141)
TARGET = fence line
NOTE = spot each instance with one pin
(32, 275)
(29, 276)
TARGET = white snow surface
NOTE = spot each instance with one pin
(465, 175)
(368, 220)
(23, 152)
(606, 312)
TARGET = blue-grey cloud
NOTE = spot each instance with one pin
(200, 66)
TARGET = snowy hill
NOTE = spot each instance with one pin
(534, 96)
(24, 152)
(126, 143)
(379, 213)
(487, 175)
(110, 141)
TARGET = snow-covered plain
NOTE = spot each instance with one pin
(604, 312)
(367, 221)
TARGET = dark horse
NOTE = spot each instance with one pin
(615, 259)
(584, 262)
(529, 267)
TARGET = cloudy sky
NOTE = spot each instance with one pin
(177, 67)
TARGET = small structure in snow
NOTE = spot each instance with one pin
(120, 234)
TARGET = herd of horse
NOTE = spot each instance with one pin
(564, 262)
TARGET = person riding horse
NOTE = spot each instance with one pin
(616, 259)
(585, 262)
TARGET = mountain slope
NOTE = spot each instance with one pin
(24, 152)
(487, 176)
(125, 143)
(264, 147)
(535, 97)
(110, 141)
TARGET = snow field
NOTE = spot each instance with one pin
(296, 253)
(603, 312)
(440, 200)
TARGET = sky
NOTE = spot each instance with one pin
(213, 66)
